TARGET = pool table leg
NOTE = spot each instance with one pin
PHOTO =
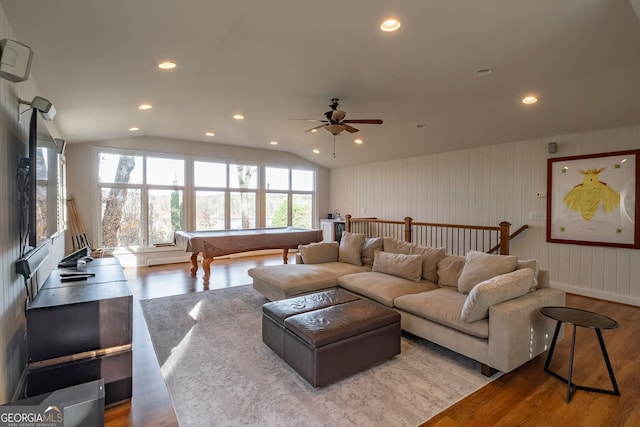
(194, 263)
(285, 256)
(206, 266)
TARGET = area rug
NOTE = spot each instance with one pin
(219, 372)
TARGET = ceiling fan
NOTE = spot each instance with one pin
(334, 121)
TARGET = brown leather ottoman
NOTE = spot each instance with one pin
(326, 344)
(275, 313)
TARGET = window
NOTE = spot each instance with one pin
(219, 206)
(141, 199)
(289, 197)
(145, 198)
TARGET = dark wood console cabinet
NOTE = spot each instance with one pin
(81, 331)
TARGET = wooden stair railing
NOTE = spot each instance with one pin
(502, 231)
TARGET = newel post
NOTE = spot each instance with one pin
(407, 229)
(347, 225)
(505, 236)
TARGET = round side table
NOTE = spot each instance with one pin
(584, 319)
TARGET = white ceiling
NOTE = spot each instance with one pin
(281, 59)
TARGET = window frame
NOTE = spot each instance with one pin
(189, 189)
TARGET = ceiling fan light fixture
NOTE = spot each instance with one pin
(390, 25)
(334, 129)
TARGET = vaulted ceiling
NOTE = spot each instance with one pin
(285, 59)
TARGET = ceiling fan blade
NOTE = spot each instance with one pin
(350, 129)
(311, 120)
(314, 128)
(365, 121)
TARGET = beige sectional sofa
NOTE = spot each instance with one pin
(485, 307)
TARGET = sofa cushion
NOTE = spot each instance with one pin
(449, 269)
(406, 266)
(350, 249)
(443, 306)
(381, 287)
(318, 253)
(494, 291)
(369, 248)
(532, 264)
(479, 266)
(397, 246)
(430, 259)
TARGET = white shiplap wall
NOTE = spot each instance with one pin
(13, 140)
(486, 185)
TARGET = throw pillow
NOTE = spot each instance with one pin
(430, 259)
(406, 266)
(350, 250)
(479, 266)
(449, 269)
(532, 264)
(318, 253)
(397, 246)
(369, 248)
(493, 291)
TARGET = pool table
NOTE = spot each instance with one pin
(225, 242)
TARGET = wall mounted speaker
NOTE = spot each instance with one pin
(15, 60)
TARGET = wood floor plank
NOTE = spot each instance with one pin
(527, 396)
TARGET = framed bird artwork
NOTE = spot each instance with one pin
(593, 199)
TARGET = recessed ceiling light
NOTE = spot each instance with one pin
(134, 129)
(358, 141)
(529, 99)
(390, 24)
(316, 151)
(484, 72)
(210, 134)
(144, 106)
(274, 143)
(421, 126)
(238, 116)
(314, 130)
(167, 65)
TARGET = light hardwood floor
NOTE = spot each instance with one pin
(525, 397)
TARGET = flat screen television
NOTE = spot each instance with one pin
(33, 149)
(44, 183)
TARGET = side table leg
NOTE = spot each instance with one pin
(553, 346)
(616, 390)
(569, 380)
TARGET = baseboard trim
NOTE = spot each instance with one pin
(598, 294)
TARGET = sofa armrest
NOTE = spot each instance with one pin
(299, 258)
(518, 331)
